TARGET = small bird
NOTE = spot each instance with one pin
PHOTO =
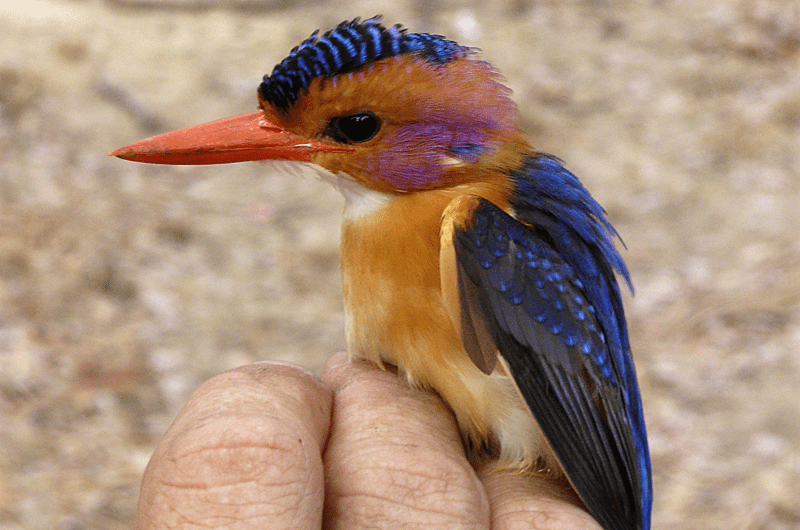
(477, 266)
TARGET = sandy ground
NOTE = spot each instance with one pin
(123, 286)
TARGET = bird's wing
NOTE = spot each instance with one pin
(508, 290)
(462, 298)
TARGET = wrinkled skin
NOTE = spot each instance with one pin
(271, 446)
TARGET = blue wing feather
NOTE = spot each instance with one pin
(547, 192)
(550, 299)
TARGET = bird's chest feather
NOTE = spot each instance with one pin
(395, 311)
(396, 314)
(391, 285)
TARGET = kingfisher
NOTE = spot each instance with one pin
(475, 265)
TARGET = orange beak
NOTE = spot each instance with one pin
(236, 139)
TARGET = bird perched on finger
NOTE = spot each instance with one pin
(479, 267)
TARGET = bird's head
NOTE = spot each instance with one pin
(395, 111)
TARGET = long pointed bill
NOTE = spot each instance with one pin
(236, 139)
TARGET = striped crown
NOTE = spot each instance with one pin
(346, 48)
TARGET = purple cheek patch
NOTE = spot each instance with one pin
(412, 158)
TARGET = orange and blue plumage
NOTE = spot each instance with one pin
(479, 267)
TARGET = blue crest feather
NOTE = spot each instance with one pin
(345, 48)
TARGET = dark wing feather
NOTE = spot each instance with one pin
(548, 330)
(476, 337)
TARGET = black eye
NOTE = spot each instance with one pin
(355, 128)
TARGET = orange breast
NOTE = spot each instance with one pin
(390, 277)
(391, 281)
(396, 314)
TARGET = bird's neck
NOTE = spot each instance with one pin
(390, 265)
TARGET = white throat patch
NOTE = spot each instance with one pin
(358, 200)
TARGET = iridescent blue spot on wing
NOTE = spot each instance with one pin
(346, 48)
(543, 286)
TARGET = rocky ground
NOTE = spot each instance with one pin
(123, 286)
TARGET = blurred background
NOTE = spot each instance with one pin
(123, 287)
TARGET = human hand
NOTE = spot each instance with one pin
(271, 446)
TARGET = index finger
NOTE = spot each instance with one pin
(243, 453)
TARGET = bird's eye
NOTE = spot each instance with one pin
(354, 128)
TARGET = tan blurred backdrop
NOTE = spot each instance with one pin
(123, 286)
